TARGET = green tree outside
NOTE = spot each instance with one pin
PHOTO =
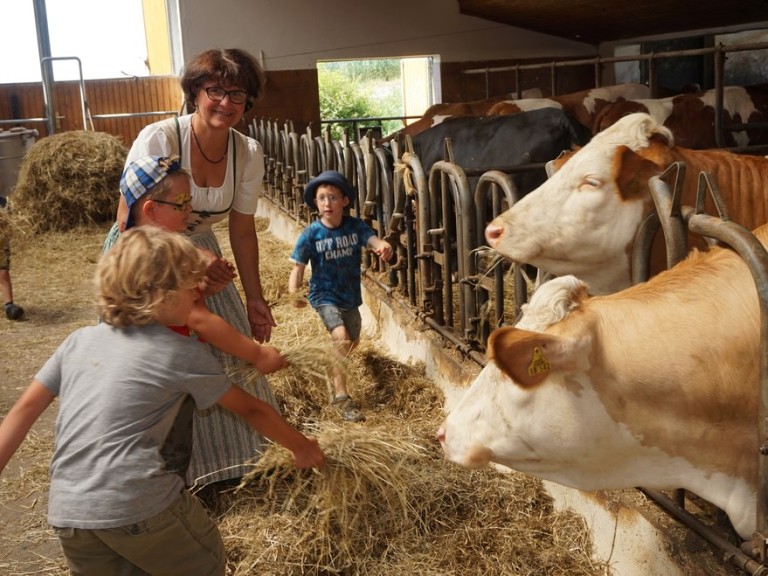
(360, 89)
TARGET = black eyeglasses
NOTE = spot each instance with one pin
(178, 206)
(217, 94)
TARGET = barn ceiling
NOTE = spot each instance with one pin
(597, 21)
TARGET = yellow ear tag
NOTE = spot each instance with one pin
(538, 363)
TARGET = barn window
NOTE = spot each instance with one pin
(680, 73)
(141, 48)
(380, 94)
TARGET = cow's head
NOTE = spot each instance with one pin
(531, 408)
(583, 220)
(581, 393)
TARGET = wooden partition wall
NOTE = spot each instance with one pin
(148, 95)
(289, 94)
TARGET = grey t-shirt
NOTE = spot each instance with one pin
(119, 391)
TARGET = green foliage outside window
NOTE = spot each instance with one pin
(360, 89)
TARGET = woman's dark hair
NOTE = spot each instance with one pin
(228, 66)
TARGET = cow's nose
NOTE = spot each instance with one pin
(441, 434)
(493, 232)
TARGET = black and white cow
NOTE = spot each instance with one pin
(499, 142)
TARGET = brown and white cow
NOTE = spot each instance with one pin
(583, 105)
(691, 117)
(654, 386)
(584, 219)
(436, 113)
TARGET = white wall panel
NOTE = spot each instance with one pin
(295, 34)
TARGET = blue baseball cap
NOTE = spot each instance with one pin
(331, 177)
(142, 175)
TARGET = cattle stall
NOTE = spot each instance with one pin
(435, 221)
(420, 213)
(719, 54)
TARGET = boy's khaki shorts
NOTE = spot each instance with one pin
(182, 540)
(333, 317)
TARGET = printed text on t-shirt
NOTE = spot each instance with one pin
(339, 247)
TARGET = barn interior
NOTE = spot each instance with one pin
(588, 33)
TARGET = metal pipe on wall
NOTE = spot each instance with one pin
(46, 67)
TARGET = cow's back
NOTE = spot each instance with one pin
(584, 105)
(437, 113)
(691, 116)
(741, 179)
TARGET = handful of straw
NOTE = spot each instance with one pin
(314, 360)
(366, 487)
(309, 361)
(386, 503)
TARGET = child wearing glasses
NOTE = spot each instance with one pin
(226, 170)
(156, 190)
(120, 383)
(333, 245)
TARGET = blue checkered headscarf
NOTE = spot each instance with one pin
(142, 175)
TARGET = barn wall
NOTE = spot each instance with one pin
(459, 85)
(291, 36)
(290, 94)
(115, 96)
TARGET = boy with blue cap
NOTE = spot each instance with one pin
(333, 245)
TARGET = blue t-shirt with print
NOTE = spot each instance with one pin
(335, 257)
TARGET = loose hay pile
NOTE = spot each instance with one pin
(69, 179)
(365, 483)
(387, 502)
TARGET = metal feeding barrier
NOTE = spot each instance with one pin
(675, 220)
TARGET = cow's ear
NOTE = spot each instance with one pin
(526, 357)
(632, 172)
(554, 165)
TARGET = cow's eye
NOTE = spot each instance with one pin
(590, 183)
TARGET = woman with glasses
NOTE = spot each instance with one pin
(227, 170)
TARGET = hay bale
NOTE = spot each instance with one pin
(70, 179)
